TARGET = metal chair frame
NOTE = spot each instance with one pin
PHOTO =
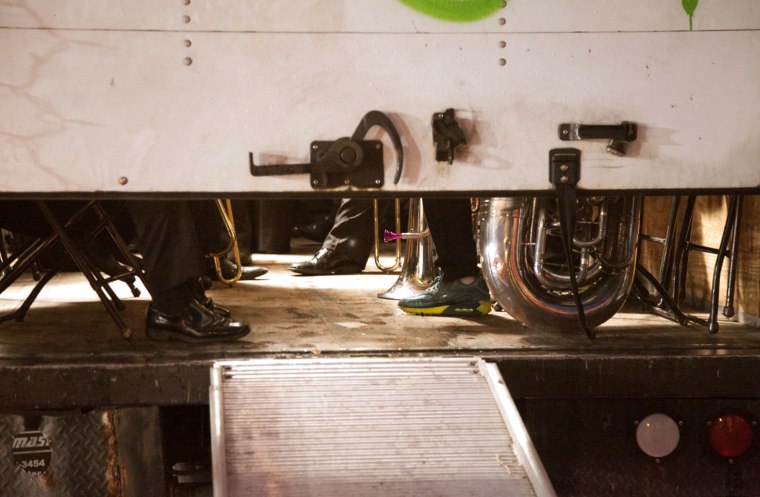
(671, 281)
(15, 265)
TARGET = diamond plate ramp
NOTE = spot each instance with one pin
(81, 460)
(366, 426)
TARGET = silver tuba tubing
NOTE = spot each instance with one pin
(524, 263)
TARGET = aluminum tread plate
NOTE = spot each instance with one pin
(363, 427)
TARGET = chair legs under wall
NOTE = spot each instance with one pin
(674, 264)
(15, 266)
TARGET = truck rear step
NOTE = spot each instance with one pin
(369, 426)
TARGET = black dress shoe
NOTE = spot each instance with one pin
(229, 270)
(198, 290)
(327, 261)
(212, 306)
(317, 230)
(194, 324)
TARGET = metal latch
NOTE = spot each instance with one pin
(619, 135)
(346, 161)
(447, 135)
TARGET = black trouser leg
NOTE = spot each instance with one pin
(450, 223)
(166, 235)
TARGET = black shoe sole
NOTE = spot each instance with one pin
(166, 335)
(323, 272)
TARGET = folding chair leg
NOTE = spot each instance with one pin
(729, 310)
(712, 323)
(20, 313)
(122, 247)
(82, 263)
(666, 263)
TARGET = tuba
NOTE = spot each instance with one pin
(525, 265)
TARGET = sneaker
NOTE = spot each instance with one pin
(450, 298)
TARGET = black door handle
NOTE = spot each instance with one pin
(625, 131)
(619, 135)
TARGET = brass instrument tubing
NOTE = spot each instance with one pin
(633, 228)
(225, 211)
(416, 235)
(397, 261)
(601, 232)
(550, 278)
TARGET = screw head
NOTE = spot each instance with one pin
(123, 180)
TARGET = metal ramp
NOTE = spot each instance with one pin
(369, 427)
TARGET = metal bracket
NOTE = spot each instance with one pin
(447, 135)
(619, 135)
(564, 174)
(346, 161)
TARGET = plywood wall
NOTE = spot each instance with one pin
(709, 218)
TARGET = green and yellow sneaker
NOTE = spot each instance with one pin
(450, 298)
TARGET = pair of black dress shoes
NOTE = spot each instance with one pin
(327, 261)
(202, 321)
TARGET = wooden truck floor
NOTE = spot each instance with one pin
(68, 352)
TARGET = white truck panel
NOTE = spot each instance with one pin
(112, 91)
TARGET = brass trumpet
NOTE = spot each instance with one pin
(397, 261)
(225, 211)
(418, 271)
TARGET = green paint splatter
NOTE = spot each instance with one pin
(690, 6)
(456, 10)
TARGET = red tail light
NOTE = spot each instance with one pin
(730, 435)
